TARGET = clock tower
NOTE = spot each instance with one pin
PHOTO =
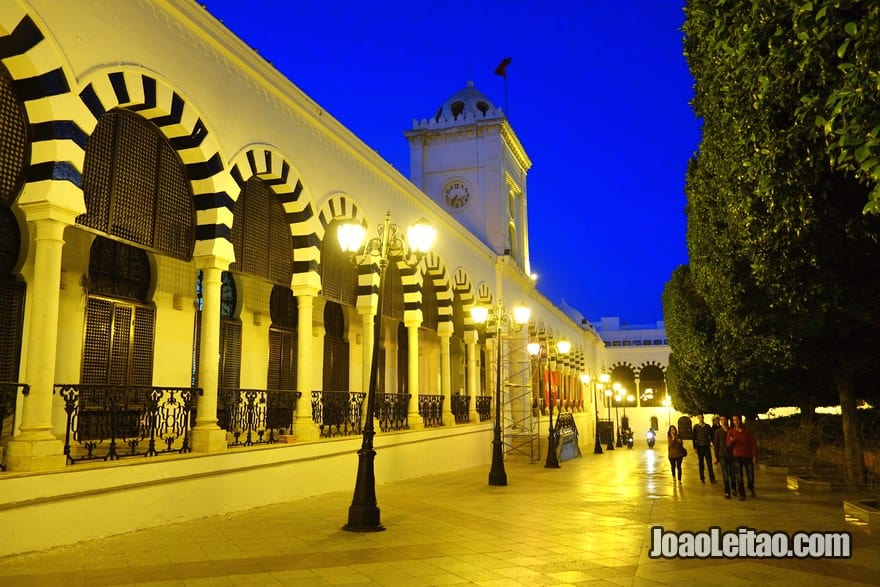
(468, 159)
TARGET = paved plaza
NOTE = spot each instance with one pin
(586, 523)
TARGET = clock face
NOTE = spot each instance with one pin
(456, 194)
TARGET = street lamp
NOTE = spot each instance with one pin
(363, 514)
(604, 380)
(618, 397)
(496, 318)
(667, 401)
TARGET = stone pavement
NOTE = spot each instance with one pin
(586, 523)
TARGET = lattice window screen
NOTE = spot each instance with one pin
(282, 359)
(339, 276)
(429, 304)
(392, 293)
(11, 313)
(230, 353)
(135, 185)
(118, 347)
(261, 234)
(14, 145)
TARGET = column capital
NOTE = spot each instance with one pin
(212, 262)
(47, 210)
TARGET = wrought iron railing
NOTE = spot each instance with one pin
(113, 421)
(256, 416)
(431, 410)
(392, 411)
(484, 407)
(8, 398)
(460, 406)
(338, 413)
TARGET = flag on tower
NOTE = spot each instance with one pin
(502, 67)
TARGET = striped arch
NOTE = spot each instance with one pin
(461, 285)
(213, 191)
(340, 206)
(484, 295)
(434, 269)
(267, 164)
(651, 364)
(57, 149)
(627, 364)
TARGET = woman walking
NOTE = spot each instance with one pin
(676, 451)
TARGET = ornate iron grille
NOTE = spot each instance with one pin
(392, 411)
(252, 413)
(261, 234)
(484, 407)
(113, 421)
(8, 398)
(338, 413)
(14, 153)
(339, 276)
(431, 410)
(135, 185)
(460, 406)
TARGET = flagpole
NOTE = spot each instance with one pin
(502, 71)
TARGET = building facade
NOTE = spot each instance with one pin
(173, 288)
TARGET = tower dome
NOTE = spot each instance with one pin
(468, 103)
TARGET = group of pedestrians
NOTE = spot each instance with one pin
(735, 451)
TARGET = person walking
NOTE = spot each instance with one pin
(723, 457)
(744, 450)
(703, 447)
(675, 450)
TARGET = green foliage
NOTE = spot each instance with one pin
(781, 253)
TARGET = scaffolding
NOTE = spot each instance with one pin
(519, 423)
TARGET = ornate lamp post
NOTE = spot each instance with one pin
(618, 397)
(496, 319)
(604, 380)
(363, 514)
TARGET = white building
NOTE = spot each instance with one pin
(173, 290)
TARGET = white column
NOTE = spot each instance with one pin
(412, 334)
(471, 337)
(444, 331)
(207, 436)
(36, 448)
(303, 426)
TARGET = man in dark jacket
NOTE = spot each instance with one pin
(722, 455)
(703, 447)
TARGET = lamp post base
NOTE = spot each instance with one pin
(497, 474)
(363, 514)
(552, 458)
(597, 450)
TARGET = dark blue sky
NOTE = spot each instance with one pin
(597, 91)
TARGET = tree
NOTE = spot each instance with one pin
(780, 251)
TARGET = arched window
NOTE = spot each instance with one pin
(282, 339)
(339, 276)
(14, 136)
(118, 347)
(651, 378)
(135, 186)
(261, 234)
(11, 296)
(336, 364)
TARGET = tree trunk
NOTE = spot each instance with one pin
(851, 441)
(808, 409)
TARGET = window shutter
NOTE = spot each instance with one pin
(230, 353)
